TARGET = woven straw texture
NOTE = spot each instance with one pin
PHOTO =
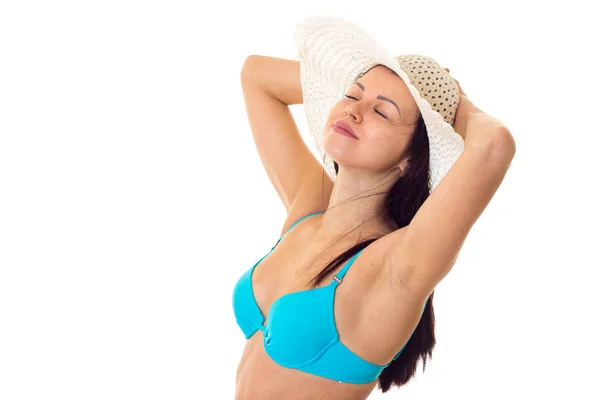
(334, 52)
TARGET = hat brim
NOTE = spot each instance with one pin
(333, 53)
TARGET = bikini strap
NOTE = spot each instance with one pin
(306, 216)
(337, 278)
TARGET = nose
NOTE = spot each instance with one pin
(354, 112)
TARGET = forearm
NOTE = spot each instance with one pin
(280, 77)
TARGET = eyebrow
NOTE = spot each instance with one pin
(381, 97)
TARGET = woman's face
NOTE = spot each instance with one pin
(380, 110)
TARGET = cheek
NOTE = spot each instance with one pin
(383, 149)
(382, 135)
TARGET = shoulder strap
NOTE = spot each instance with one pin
(337, 278)
(295, 223)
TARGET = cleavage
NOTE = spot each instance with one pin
(275, 276)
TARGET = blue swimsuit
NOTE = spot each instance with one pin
(301, 331)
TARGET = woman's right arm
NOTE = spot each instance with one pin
(280, 77)
(269, 86)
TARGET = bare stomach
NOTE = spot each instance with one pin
(259, 377)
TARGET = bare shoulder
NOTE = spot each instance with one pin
(313, 196)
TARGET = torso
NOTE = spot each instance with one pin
(374, 315)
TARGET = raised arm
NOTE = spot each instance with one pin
(430, 245)
(269, 86)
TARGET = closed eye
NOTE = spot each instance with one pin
(354, 98)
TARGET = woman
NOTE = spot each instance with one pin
(343, 301)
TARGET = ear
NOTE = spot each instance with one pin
(402, 165)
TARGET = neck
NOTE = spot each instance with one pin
(356, 208)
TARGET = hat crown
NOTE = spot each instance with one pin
(433, 82)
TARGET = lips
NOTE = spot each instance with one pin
(345, 127)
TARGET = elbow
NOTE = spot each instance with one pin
(502, 147)
(248, 66)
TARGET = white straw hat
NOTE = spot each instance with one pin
(334, 52)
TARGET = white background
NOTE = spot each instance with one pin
(132, 197)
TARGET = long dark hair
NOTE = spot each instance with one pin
(401, 203)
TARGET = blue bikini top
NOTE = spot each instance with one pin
(300, 332)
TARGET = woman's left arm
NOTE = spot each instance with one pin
(428, 247)
(479, 129)
(483, 130)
